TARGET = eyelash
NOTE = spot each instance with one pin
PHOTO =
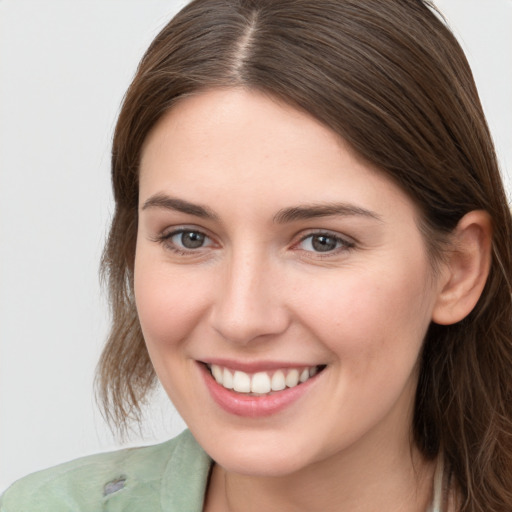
(342, 244)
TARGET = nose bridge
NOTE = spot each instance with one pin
(247, 304)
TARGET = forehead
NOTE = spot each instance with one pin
(231, 122)
(255, 150)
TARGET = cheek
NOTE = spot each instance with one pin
(368, 317)
(168, 303)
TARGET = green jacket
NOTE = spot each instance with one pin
(169, 477)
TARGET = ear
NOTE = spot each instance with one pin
(465, 269)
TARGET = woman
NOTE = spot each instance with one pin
(311, 251)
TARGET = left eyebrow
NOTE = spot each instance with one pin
(311, 211)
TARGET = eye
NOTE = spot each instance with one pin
(324, 243)
(189, 239)
(184, 241)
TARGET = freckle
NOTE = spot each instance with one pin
(114, 486)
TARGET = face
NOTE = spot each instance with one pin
(272, 260)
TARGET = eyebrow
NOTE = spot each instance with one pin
(311, 211)
(179, 205)
(286, 215)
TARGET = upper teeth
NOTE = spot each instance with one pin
(261, 382)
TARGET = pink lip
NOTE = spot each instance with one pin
(253, 406)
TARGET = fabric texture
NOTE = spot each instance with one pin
(168, 477)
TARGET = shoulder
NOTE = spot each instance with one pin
(133, 479)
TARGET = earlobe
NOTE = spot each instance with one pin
(466, 268)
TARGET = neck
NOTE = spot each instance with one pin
(388, 480)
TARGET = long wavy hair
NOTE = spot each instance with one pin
(390, 79)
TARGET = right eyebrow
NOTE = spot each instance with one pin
(179, 205)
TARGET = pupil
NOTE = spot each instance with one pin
(192, 240)
(323, 243)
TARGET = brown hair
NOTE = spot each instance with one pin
(391, 79)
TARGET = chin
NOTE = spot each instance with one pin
(259, 465)
(257, 453)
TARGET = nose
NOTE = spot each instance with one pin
(249, 302)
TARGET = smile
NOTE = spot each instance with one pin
(261, 383)
(258, 393)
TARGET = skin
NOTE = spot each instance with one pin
(257, 290)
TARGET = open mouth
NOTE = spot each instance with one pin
(262, 383)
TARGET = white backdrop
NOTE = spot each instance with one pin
(64, 67)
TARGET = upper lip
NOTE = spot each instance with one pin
(255, 366)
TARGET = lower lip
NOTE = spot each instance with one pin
(254, 406)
